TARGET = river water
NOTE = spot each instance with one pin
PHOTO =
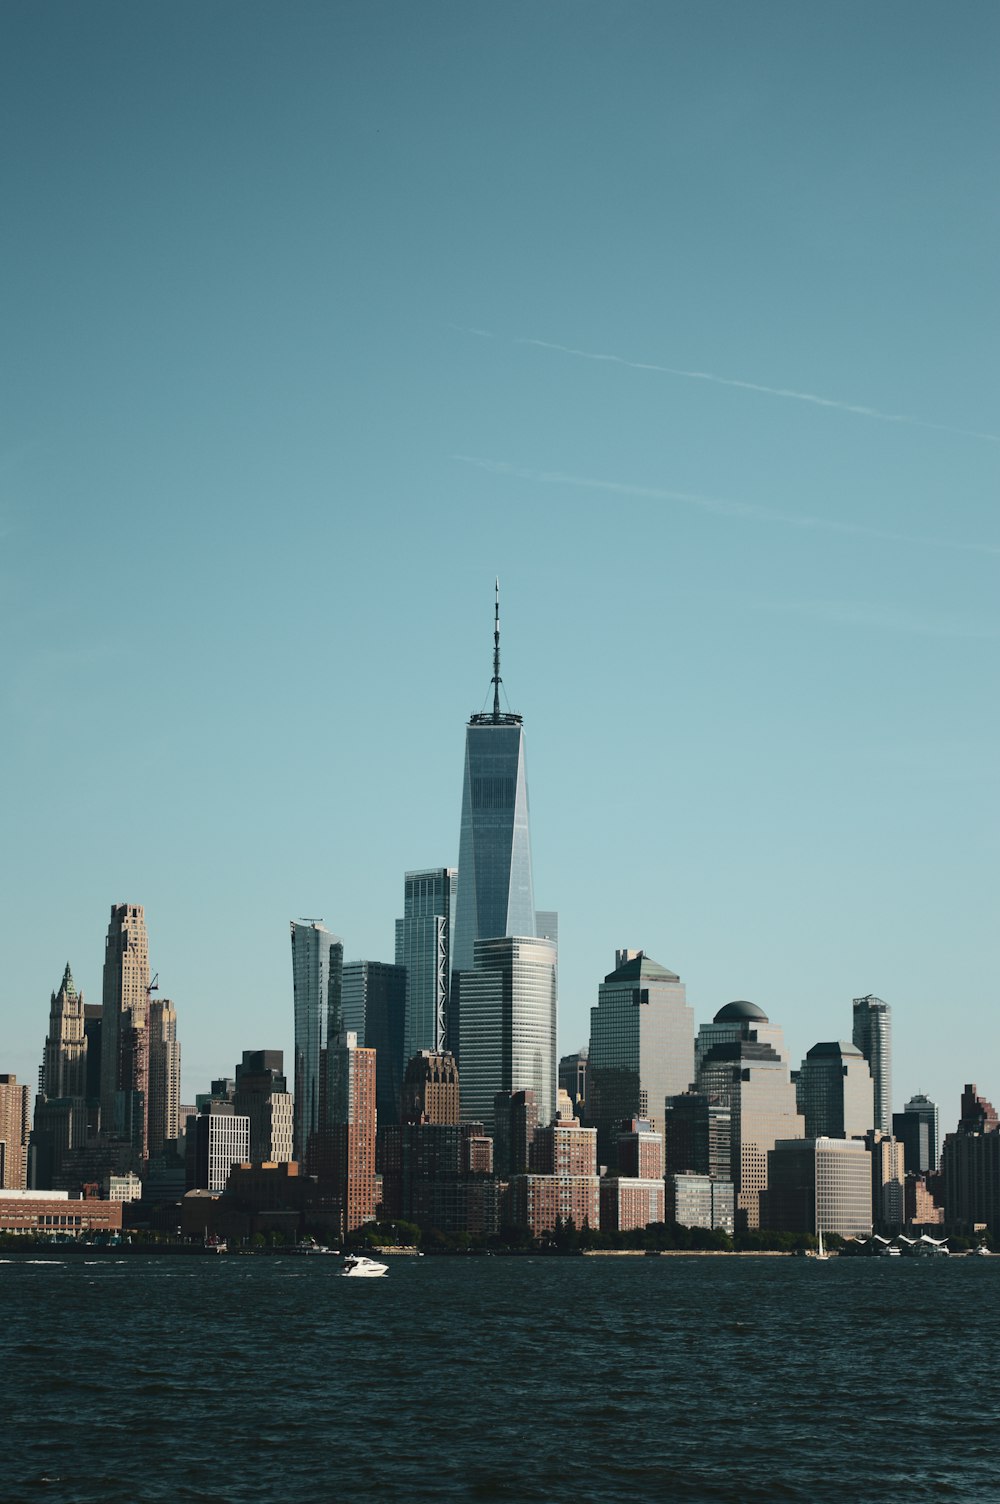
(580, 1379)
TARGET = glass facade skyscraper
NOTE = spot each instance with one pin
(507, 1022)
(317, 972)
(423, 947)
(496, 894)
(373, 1005)
(873, 1036)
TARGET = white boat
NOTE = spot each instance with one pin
(357, 1266)
(821, 1252)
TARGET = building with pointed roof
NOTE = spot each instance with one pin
(64, 1062)
(641, 1047)
(495, 892)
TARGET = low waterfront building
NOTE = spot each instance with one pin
(630, 1202)
(51, 1213)
(819, 1184)
(537, 1202)
(695, 1200)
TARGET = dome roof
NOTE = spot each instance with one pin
(740, 1012)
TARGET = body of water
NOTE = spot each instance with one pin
(582, 1379)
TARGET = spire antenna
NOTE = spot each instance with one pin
(496, 655)
(496, 716)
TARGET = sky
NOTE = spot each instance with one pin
(680, 318)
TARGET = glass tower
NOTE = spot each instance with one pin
(873, 1036)
(507, 1021)
(495, 895)
(423, 946)
(317, 971)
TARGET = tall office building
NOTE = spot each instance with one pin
(738, 1020)
(14, 1122)
(124, 1029)
(750, 1077)
(917, 1129)
(431, 1089)
(970, 1166)
(834, 1091)
(872, 1034)
(573, 1078)
(507, 1025)
(317, 970)
(698, 1136)
(64, 1063)
(217, 1139)
(495, 894)
(641, 1046)
(261, 1094)
(515, 1123)
(350, 1137)
(164, 1075)
(423, 947)
(373, 1005)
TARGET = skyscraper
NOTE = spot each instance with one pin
(261, 1094)
(834, 1091)
(350, 1137)
(317, 968)
(423, 947)
(495, 893)
(124, 1029)
(14, 1122)
(917, 1128)
(64, 1064)
(641, 1046)
(749, 1076)
(507, 1023)
(164, 1075)
(431, 1089)
(373, 1005)
(873, 1036)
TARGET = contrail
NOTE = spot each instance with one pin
(750, 386)
(718, 504)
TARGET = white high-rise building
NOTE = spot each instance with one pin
(873, 1036)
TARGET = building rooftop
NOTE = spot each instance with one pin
(833, 1047)
(642, 968)
(739, 1012)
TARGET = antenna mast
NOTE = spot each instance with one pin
(496, 717)
(496, 656)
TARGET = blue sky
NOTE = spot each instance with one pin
(317, 317)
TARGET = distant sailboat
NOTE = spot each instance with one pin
(821, 1252)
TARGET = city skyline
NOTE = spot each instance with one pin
(687, 334)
